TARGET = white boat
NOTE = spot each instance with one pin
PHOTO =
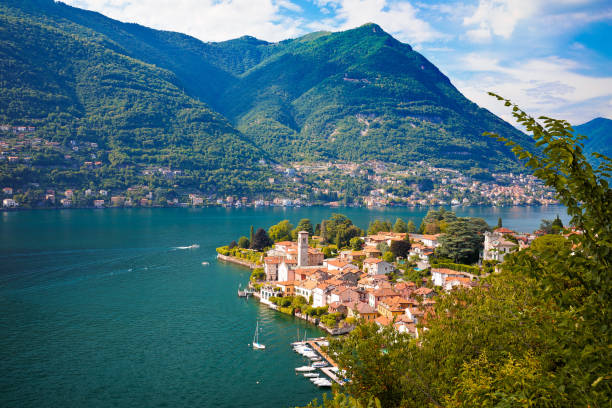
(205, 263)
(311, 375)
(319, 364)
(324, 383)
(305, 369)
(256, 344)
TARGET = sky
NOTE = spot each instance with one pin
(551, 57)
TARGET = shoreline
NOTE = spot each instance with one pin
(333, 331)
(17, 209)
(238, 261)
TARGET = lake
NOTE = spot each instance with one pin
(101, 308)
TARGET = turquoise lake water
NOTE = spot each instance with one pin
(99, 309)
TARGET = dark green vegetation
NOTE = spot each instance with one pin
(153, 99)
(538, 334)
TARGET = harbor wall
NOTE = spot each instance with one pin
(238, 261)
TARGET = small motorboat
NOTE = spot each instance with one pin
(319, 364)
(205, 263)
(311, 375)
(305, 369)
(324, 383)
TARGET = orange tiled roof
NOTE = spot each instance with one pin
(383, 321)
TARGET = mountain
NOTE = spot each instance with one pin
(361, 95)
(77, 85)
(599, 136)
(151, 98)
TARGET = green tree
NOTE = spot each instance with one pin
(243, 242)
(463, 240)
(537, 334)
(303, 225)
(400, 226)
(400, 249)
(281, 231)
(356, 244)
(388, 257)
(410, 227)
(377, 226)
(261, 240)
(557, 225)
(339, 230)
(251, 234)
(499, 222)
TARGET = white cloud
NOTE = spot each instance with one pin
(498, 17)
(398, 18)
(208, 20)
(545, 86)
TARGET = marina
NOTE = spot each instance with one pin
(325, 363)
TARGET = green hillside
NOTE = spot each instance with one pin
(153, 99)
(599, 136)
(360, 95)
(78, 88)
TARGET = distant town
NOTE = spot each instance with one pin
(369, 184)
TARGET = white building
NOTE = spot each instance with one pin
(375, 266)
(9, 203)
(496, 246)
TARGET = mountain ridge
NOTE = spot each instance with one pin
(156, 97)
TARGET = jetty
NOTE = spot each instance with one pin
(332, 370)
(245, 293)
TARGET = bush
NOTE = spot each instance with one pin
(243, 242)
(258, 275)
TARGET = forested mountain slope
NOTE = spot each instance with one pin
(212, 110)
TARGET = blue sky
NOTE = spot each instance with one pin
(552, 57)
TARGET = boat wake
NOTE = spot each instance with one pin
(193, 246)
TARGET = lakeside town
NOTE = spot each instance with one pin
(334, 184)
(389, 275)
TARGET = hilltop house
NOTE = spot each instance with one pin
(496, 245)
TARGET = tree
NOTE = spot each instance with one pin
(463, 240)
(537, 334)
(243, 242)
(303, 225)
(232, 245)
(251, 234)
(400, 226)
(400, 249)
(377, 226)
(499, 222)
(374, 361)
(261, 240)
(388, 256)
(356, 243)
(382, 247)
(281, 231)
(339, 230)
(410, 227)
(557, 225)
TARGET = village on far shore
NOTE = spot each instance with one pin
(383, 276)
